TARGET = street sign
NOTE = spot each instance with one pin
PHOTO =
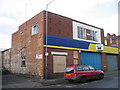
(99, 47)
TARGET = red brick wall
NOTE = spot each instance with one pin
(0, 59)
(88, 34)
(104, 62)
(102, 37)
(59, 26)
(24, 43)
(69, 61)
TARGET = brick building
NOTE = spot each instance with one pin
(0, 59)
(5, 59)
(69, 42)
(114, 40)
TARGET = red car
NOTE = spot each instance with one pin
(82, 73)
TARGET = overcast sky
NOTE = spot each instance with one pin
(100, 13)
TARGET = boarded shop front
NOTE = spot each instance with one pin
(59, 64)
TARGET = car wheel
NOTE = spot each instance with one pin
(101, 76)
(83, 79)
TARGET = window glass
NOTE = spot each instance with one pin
(93, 35)
(34, 29)
(69, 70)
(86, 68)
(23, 63)
(81, 32)
(91, 68)
(79, 68)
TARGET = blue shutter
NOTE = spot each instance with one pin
(90, 58)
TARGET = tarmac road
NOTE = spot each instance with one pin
(110, 81)
(19, 81)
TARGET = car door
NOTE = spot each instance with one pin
(88, 72)
(93, 72)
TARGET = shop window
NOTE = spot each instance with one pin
(34, 29)
(23, 63)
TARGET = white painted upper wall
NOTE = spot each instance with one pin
(75, 34)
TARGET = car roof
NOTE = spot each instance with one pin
(77, 65)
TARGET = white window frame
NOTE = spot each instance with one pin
(75, 33)
(34, 29)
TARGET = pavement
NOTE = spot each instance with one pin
(51, 81)
(26, 81)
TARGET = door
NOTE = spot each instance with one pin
(92, 59)
(112, 62)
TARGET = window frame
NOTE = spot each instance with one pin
(23, 61)
(81, 32)
(93, 35)
(35, 29)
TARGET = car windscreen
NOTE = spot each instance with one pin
(69, 70)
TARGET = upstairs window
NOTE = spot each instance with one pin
(34, 29)
(81, 32)
(93, 35)
(113, 40)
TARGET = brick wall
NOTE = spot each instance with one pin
(59, 26)
(7, 59)
(0, 59)
(104, 62)
(28, 45)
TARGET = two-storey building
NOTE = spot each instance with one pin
(68, 42)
